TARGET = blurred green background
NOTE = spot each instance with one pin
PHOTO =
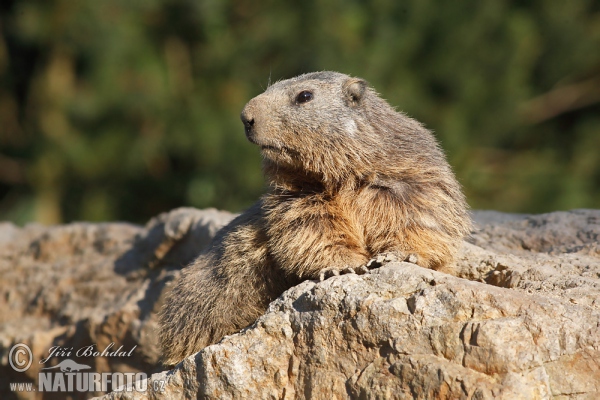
(119, 110)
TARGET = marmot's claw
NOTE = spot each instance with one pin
(362, 270)
(385, 258)
(347, 270)
(328, 273)
(380, 259)
(412, 258)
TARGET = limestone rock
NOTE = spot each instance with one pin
(92, 284)
(557, 254)
(403, 332)
(520, 318)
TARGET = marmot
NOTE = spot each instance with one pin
(350, 178)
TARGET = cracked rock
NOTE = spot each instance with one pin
(519, 319)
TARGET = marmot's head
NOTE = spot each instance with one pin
(326, 126)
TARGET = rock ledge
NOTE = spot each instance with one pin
(520, 317)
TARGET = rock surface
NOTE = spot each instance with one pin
(521, 318)
(82, 284)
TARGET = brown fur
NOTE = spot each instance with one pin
(350, 178)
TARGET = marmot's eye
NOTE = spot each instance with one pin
(304, 96)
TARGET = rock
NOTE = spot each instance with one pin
(557, 254)
(521, 318)
(403, 331)
(92, 284)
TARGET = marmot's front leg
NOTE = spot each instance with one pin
(222, 291)
(314, 241)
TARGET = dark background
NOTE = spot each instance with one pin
(119, 110)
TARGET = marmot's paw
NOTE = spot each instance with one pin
(329, 272)
(385, 258)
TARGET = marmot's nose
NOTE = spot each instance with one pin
(248, 122)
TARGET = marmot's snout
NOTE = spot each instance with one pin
(248, 121)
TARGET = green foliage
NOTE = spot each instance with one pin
(121, 110)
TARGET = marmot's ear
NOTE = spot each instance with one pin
(354, 90)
